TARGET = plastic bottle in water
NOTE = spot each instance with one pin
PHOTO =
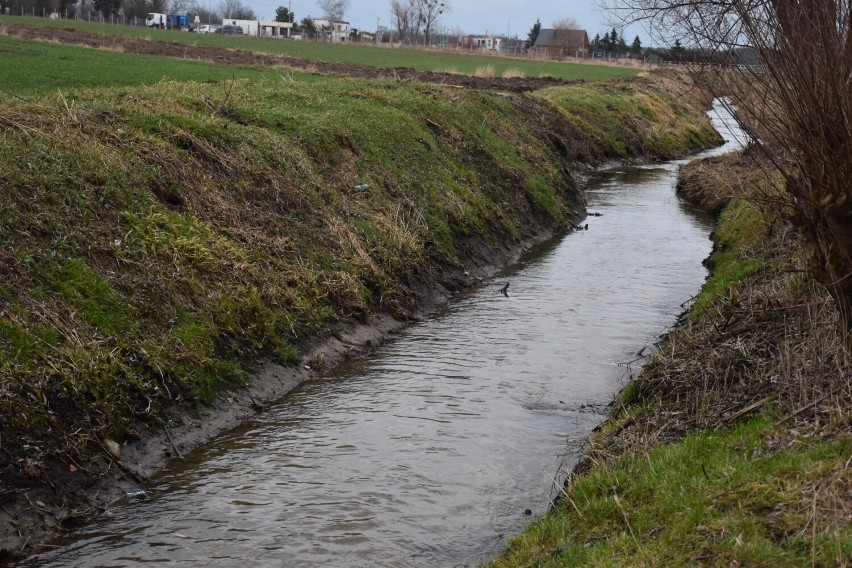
(140, 494)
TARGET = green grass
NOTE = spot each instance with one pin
(630, 118)
(351, 53)
(713, 499)
(742, 224)
(28, 67)
(158, 241)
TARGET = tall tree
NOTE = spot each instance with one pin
(308, 27)
(566, 24)
(107, 7)
(333, 10)
(136, 9)
(283, 14)
(796, 105)
(677, 51)
(64, 6)
(636, 47)
(604, 43)
(403, 11)
(236, 10)
(622, 45)
(533, 33)
(179, 6)
(428, 12)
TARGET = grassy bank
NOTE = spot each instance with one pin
(349, 53)
(637, 118)
(158, 243)
(733, 446)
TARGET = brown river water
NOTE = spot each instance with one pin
(432, 451)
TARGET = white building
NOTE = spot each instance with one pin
(334, 30)
(262, 28)
(485, 42)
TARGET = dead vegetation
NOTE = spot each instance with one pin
(732, 447)
(770, 338)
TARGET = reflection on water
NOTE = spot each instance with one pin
(429, 453)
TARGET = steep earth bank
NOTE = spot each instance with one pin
(174, 256)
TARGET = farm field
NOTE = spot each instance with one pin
(422, 60)
(30, 67)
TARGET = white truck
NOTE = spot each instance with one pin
(155, 20)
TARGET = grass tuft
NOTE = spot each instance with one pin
(514, 73)
(486, 71)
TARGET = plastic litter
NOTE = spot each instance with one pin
(139, 494)
(362, 187)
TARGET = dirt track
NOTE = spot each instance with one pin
(243, 57)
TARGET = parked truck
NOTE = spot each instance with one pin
(167, 21)
(155, 20)
(177, 22)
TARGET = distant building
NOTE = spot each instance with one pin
(482, 42)
(262, 28)
(332, 30)
(556, 44)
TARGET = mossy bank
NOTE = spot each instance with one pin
(160, 245)
(733, 446)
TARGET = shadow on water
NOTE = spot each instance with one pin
(430, 452)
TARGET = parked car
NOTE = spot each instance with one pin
(230, 30)
(205, 29)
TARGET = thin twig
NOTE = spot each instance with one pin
(172, 442)
(802, 409)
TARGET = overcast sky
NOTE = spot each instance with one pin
(473, 16)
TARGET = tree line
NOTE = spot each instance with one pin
(130, 9)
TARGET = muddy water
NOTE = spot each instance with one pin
(431, 452)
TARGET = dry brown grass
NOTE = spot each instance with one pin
(773, 343)
(713, 182)
(514, 73)
(484, 71)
